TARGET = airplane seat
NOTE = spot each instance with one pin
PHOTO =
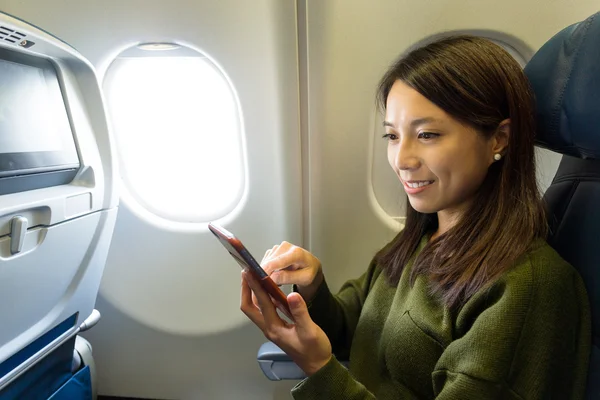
(565, 76)
(58, 207)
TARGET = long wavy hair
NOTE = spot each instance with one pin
(478, 83)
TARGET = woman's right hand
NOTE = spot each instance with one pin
(287, 264)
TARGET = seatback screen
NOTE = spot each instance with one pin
(35, 132)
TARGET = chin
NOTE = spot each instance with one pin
(422, 207)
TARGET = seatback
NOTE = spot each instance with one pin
(565, 76)
(58, 202)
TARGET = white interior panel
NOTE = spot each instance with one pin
(171, 325)
(55, 271)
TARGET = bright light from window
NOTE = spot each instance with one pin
(178, 131)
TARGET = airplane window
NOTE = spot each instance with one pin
(179, 133)
(521, 59)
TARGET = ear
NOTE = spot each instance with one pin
(500, 138)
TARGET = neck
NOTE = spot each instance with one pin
(446, 220)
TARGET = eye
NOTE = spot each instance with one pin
(390, 136)
(427, 135)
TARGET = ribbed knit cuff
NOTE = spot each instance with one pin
(321, 295)
(330, 382)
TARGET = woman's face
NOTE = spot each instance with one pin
(440, 161)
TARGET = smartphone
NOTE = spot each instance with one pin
(237, 250)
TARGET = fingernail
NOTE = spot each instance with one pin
(294, 301)
(248, 276)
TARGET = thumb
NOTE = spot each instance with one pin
(299, 309)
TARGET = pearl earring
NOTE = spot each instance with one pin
(497, 156)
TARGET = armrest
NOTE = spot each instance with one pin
(276, 365)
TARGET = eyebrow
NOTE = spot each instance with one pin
(415, 122)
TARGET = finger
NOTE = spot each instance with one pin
(291, 257)
(272, 253)
(299, 312)
(248, 307)
(302, 277)
(273, 249)
(267, 308)
(281, 249)
(266, 256)
(268, 253)
(285, 246)
(254, 300)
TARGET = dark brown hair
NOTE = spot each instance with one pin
(480, 84)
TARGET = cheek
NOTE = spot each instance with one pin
(443, 165)
(477, 164)
(458, 168)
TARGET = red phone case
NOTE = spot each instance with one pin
(239, 252)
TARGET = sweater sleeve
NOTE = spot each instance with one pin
(338, 315)
(527, 337)
(332, 382)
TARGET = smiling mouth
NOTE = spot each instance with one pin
(417, 184)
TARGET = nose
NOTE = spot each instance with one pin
(406, 158)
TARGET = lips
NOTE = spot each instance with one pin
(414, 186)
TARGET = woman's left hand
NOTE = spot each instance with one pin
(304, 341)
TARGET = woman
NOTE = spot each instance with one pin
(468, 301)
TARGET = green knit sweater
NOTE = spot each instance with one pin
(527, 336)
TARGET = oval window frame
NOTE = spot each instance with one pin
(128, 194)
